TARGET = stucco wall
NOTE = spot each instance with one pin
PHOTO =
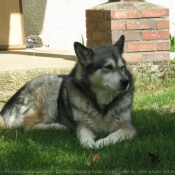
(61, 22)
(58, 22)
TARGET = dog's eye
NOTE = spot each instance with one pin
(122, 68)
(109, 67)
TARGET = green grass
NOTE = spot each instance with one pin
(59, 152)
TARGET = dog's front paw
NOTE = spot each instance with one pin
(88, 144)
(101, 143)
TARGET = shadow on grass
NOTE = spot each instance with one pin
(59, 151)
(151, 122)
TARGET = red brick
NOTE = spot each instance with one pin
(119, 14)
(156, 56)
(97, 14)
(118, 25)
(108, 25)
(163, 46)
(91, 23)
(155, 35)
(152, 13)
(140, 47)
(132, 57)
(103, 42)
(163, 24)
(141, 24)
(108, 36)
(104, 25)
(91, 43)
(99, 36)
(89, 34)
(88, 14)
(129, 36)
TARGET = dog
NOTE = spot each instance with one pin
(96, 97)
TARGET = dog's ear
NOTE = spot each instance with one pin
(83, 53)
(120, 43)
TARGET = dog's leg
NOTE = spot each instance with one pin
(35, 120)
(49, 126)
(86, 136)
(126, 131)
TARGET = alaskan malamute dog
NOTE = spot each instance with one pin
(95, 97)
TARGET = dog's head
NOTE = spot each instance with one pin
(103, 66)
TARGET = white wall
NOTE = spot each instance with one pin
(61, 22)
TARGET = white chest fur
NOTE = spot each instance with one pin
(85, 113)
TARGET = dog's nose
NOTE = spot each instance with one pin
(124, 82)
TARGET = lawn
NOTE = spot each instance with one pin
(152, 151)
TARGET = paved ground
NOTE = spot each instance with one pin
(36, 58)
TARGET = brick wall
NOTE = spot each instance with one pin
(145, 26)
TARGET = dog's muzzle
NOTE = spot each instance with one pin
(124, 83)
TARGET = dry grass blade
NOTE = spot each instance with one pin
(95, 158)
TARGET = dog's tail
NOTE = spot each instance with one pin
(2, 122)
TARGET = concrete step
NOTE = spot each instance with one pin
(19, 67)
